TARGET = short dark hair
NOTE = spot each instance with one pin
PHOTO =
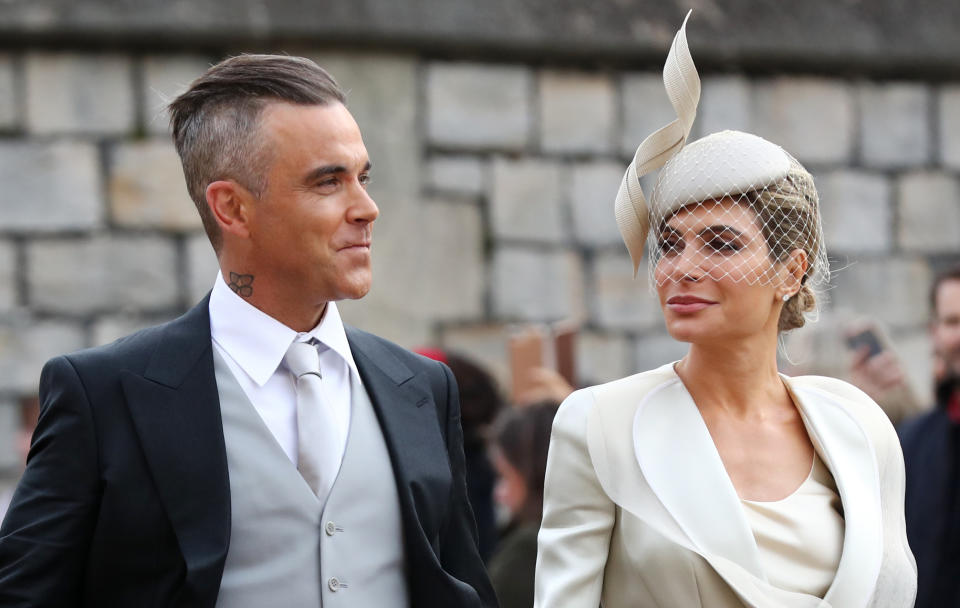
(950, 274)
(215, 122)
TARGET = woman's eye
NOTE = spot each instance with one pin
(723, 245)
(669, 246)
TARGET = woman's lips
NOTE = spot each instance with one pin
(687, 304)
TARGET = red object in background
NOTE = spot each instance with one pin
(433, 353)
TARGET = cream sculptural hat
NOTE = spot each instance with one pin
(718, 175)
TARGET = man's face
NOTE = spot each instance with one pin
(946, 327)
(311, 231)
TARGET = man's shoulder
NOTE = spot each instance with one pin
(134, 350)
(918, 428)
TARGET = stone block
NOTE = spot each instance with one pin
(534, 285)
(164, 78)
(8, 97)
(147, 188)
(726, 102)
(856, 210)
(478, 106)
(577, 112)
(448, 262)
(102, 274)
(658, 348)
(25, 345)
(621, 301)
(49, 187)
(461, 175)
(812, 118)
(603, 357)
(929, 212)
(527, 200)
(592, 194)
(8, 276)
(949, 126)
(894, 125)
(484, 344)
(107, 329)
(201, 266)
(646, 108)
(893, 290)
(79, 93)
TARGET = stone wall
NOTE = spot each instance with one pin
(495, 177)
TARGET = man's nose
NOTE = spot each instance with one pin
(363, 209)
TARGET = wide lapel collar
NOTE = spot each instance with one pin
(681, 465)
(847, 451)
(409, 428)
(175, 408)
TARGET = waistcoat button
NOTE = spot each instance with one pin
(334, 584)
(330, 528)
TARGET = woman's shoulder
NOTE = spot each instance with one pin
(621, 395)
(856, 403)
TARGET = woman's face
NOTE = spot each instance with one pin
(511, 488)
(715, 279)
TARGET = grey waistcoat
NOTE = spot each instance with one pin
(286, 549)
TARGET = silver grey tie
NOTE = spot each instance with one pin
(315, 435)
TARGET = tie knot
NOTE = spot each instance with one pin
(302, 358)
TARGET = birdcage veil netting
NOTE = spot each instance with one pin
(730, 206)
(734, 206)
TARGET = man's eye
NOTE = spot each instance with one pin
(365, 179)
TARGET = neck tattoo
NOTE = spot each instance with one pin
(241, 284)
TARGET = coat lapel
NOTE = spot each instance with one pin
(683, 468)
(175, 408)
(847, 451)
(408, 418)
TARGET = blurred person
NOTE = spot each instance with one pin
(519, 447)
(876, 370)
(931, 449)
(480, 402)
(543, 384)
(715, 480)
(254, 452)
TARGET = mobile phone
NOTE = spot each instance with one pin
(866, 337)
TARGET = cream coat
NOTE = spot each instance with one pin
(639, 511)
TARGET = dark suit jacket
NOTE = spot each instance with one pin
(932, 456)
(125, 500)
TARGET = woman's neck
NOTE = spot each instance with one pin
(738, 377)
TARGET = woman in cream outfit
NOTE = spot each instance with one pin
(715, 481)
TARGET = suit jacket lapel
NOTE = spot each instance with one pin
(408, 419)
(175, 408)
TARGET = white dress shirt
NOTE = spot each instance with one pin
(253, 345)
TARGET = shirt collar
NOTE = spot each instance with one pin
(258, 342)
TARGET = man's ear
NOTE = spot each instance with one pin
(230, 204)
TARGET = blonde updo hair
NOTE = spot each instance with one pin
(788, 213)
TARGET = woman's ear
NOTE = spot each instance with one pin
(795, 268)
(230, 204)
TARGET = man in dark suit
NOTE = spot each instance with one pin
(197, 463)
(931, 453)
